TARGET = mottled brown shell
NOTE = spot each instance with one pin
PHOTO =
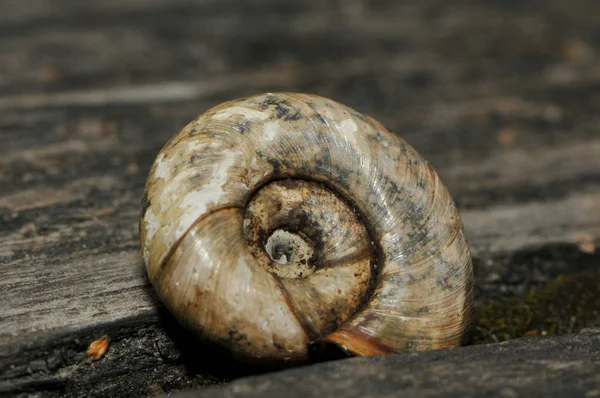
(278, 220)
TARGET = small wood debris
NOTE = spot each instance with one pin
(98, 348)
(132, 169)
(507, 137)
(578, 51)
(586, 243)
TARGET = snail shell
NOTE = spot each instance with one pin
(278, 220)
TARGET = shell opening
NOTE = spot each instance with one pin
(290, 253)
(316, 246)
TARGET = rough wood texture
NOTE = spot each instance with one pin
(503, 98)
(550, 367)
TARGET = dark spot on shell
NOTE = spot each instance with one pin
(236, 336)
(145, 203)
(444, 281)
(268, 101)
(193, 132)
(243, 126)
(194, 158)
(321, 119)
(403, 149)
(283, 109)
(411, 279)
(421, 311)
(318, 115)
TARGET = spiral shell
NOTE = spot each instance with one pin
(278, 220)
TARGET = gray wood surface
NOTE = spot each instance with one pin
(503, 98)
(530, 367)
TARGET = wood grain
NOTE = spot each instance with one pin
(554, 367)
(503, 98)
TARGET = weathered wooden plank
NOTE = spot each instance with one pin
(502, 98)
(553, 367)
(80, 236)
(212, 38)
(95, 285)
(152, 353)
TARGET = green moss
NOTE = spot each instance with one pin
(562, 306)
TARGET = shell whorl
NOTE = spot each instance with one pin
(391, 270)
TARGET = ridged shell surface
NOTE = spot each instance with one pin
(376, 261)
